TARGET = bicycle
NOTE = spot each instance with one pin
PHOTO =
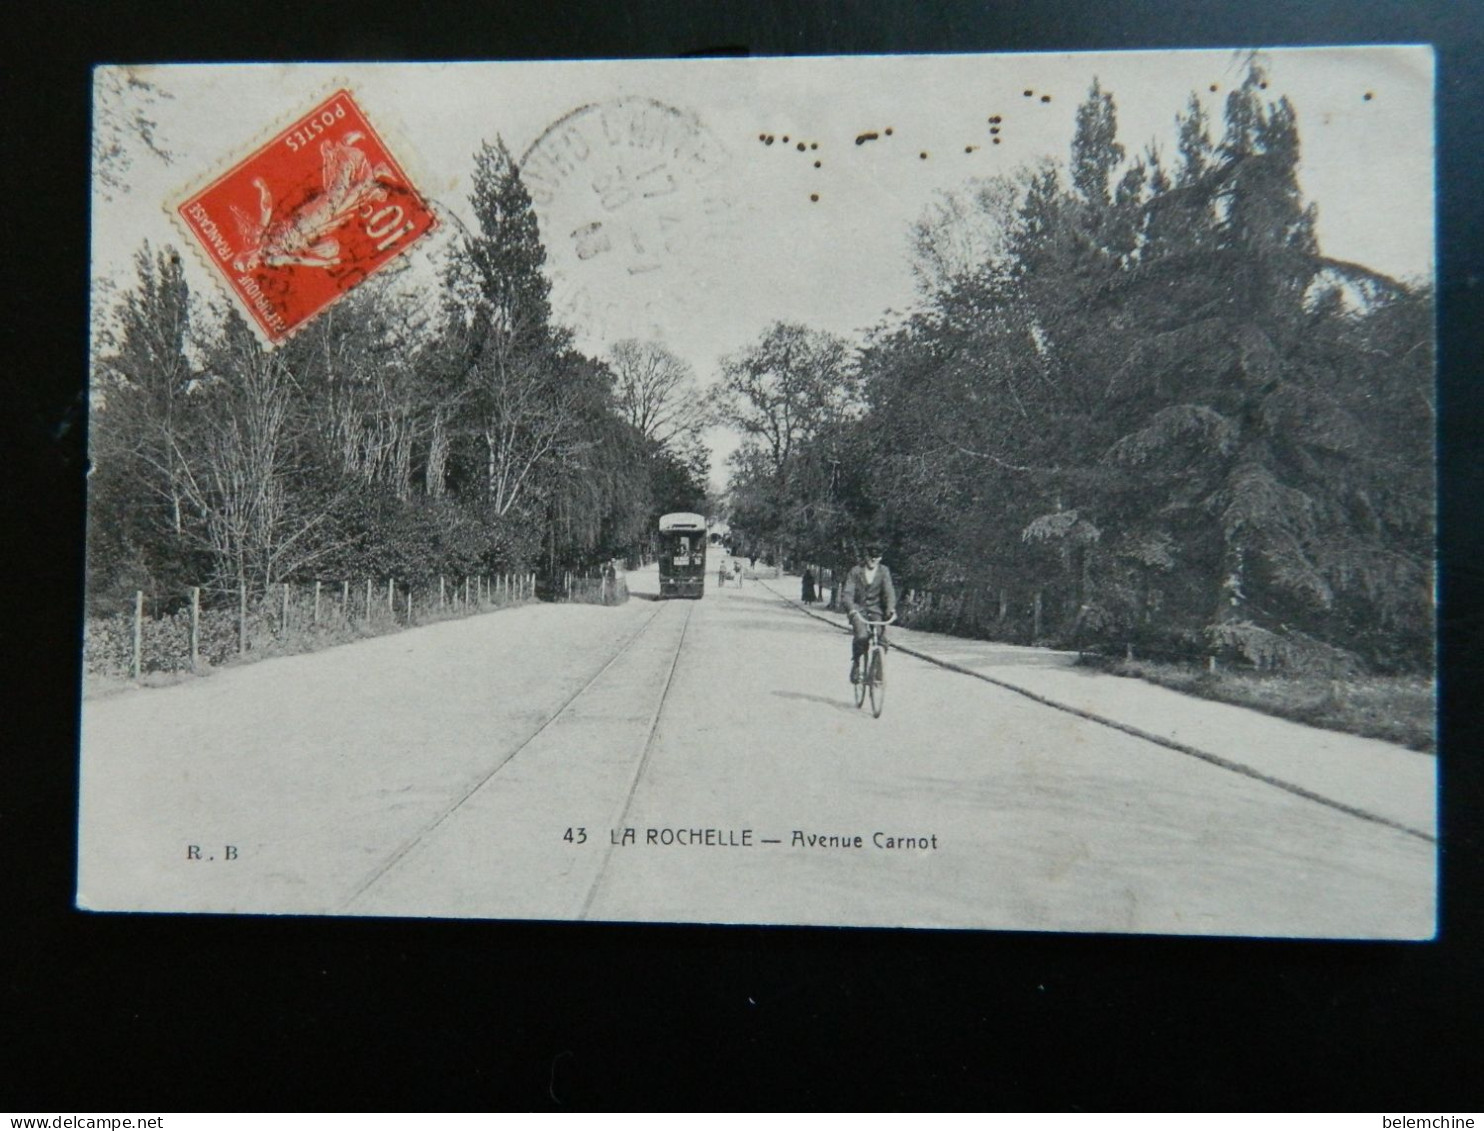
(872, 669)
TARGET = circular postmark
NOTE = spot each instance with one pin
(635, 208)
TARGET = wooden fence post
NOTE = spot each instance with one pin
(138, 632)
(345, 600)
(316, 604)
(391, 596)
(409, 604)
(440, 591)
(283, 616)
(1036, 618)
(242, 618)
(368, 599)
(195, 626)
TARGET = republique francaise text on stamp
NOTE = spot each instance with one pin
(307, 217)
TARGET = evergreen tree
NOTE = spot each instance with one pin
(1235, 476)
(514, 411)
(497, 285)
(1165, 411)
(1096, 152)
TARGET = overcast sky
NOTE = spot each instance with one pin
(707, 236)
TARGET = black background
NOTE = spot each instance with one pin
(154, 1013)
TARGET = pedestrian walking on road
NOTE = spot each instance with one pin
(808, 586)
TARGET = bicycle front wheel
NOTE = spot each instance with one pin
(859, 687)
(878, 683)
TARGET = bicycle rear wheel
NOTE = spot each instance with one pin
(878, 683)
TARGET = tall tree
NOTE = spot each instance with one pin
(142, 433)
(783, 389)
(497, 285)
(781, 393)
(507, 378)
(1163, 406)
(1096, 152)
(655, 391)
(963, 233)
(365, 368)
(1242, 435)
(263, 511)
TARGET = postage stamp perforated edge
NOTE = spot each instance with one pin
(395, 142)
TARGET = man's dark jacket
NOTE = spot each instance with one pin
(876, 599)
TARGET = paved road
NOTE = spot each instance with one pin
(494, 767)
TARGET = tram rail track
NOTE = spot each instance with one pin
(641, 764)
(564, 710)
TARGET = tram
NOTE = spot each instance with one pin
(682, 554)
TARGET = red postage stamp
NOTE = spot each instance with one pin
(307, 217)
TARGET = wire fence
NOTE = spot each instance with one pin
(595, 586)
(212, 626)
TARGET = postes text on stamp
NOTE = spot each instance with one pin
(307, 217)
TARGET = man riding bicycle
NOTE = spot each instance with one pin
(868, 595)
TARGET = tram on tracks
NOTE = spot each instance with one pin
(682, 555)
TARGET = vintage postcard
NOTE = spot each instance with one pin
(964, 492)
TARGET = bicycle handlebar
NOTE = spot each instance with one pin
(876, 623)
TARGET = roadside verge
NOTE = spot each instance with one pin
(1365, 778)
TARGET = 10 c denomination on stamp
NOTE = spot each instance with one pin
(307, 217)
